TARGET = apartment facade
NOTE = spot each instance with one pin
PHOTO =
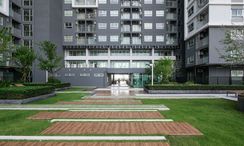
(206, 22)
(105, 38)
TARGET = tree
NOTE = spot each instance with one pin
(6, 45)
(24, 58)
(234, 46)
(164, 69)
(51, 62)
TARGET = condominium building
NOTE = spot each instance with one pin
(206, 22)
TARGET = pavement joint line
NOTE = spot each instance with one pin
(111, 120)
(115, 110)
(84, 138)
(85, 109)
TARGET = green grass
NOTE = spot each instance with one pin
(219, 120)
(60, 97)
(15, 123)
(75, 89)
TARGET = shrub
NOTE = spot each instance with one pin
(24, 92)
(53, 80)
(194, 87)
(55, 85)
(4, 84)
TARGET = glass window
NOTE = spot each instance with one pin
(159, 13)
(98, 75)
(102, 38)
(102, 1)
(27, 15)
(68, 25)
(147, 1)
(142, 52)
(148, 38)
(114, 1)
(68, 13)
(28, 43)
(98, 64)
(114, 13)
(68, 1)
(68, 38)
(120, 64)
(102, 13)
(114, 38)
(120, 52)
(1, 21)
(159, 25)
(28, 30)
(160, 38)
(77, 53)
(102, 25)
(148, 13)
(114, 25)
(98, 52)
(148, 26)
(237, 12)
(27, 2)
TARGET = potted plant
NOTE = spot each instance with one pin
(241, 102)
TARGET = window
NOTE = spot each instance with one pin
(27, 2)
(102, 38)
(1, 21)
(114, 25)
(190, 11)
(191, 27)
(237, 12)
(159, 38)
(159, 25)
(159, 1)
(148, 38)
(68, 25)
(28, 30)
(147, 1)
(27, 15)
(114, 38)
(102, 1)
(148, 13)
(77, 53)
(68, 38)
(159, 13)
(102, 13)
(147, 25)
(68, 1)
(28, 43)
(102, 25)
(114, 13)
(114, 1)
(68, 13)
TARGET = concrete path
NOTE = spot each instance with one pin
(111, 120)
(85, 138)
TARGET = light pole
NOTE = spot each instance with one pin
(151, 65)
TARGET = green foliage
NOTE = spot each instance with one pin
(51, 62)
(24, 92)
(53, 80)
(55, 85)
(193, 87)
(5, 84)
(234, 42)
(164, 69)
(24, 58)
(6, 45)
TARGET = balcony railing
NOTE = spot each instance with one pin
(81, 41)
(125, 16)
(136, 28)
(171, 3)
(136, 40)
(91, 40)
(171, 28)
(81, 16)
(202, 42)
(81, 28)
(91, 28)
(125, 40)
(136, 16)
(171, 40)
(125, 28)
(125, 3)
(203, 60)
(171, 16)
(136, 4)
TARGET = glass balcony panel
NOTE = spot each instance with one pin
(126, 28)
(136, 28)
(125, 40)
(125, 16)
(136, 40)
(135, 16)
(91, 40)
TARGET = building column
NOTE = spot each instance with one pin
(109, 57)
(131, 54)
(153, 55)
(87, 54)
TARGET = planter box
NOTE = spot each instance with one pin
(241, 102)
(27, 100)
(185, 91)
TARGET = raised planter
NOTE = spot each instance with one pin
(27, 100)
(241, 102)
(185, 91)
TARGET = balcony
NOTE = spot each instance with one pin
(136, 40)
(125, 40)
(85, 3)
(136, 3)
(125, 28)
(125, 3)
(91, 16)
(81, 16)
(203, 60)
(81, 41)
(202, 42)
(91, 40)
(136, 28)
(16, 16)
(171, 28)
(171, 16)
(16, 32)
(171, 40)
(171, 4)
(91, 28)
(136, 16)
(81, 28)
(125, 16)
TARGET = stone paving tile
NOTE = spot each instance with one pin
(164, 128)
(83, 144)
(97, 115)
(91, 102)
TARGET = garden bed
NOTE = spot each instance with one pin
(57, 86)
(25, 92)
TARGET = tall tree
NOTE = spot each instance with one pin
(50, 62)
(6, 45)
(164, 69)
(234, 46)
(24, 58)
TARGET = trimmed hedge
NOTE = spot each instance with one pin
(24, 92)
(56, 85)
(195, 87)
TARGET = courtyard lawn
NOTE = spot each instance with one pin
(60, 97)
(218, 120)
